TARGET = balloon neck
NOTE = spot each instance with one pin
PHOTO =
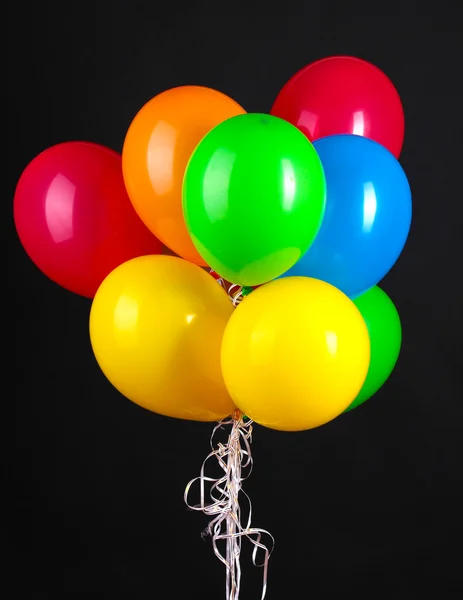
(246, 290)
(237, 415)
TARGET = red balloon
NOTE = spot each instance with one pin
(74, 217)
(343, 94)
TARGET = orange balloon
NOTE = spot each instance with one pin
(157, 148)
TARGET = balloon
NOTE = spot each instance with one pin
(253, 197)
(157, 147)
(385, 334)
(343, 94)
(74, 218)
(367, 219)
(295, 354)
(156, 327)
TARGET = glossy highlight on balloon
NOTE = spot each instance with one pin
(157, 147)
(343, 94)
(367, 218)
(74, 218)
(295, 354)
(385, 333)
(156, 327)
(253, 197)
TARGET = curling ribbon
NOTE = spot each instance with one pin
(233, 457)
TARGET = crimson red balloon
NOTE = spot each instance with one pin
(74, 217)
(343, 94)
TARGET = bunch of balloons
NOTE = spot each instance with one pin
(307, 208)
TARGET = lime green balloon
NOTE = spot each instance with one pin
(253, 197)
(385, 331)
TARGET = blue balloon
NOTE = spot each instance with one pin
(367, 217)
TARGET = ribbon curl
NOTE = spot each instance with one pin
(234, 458)
(235, 292)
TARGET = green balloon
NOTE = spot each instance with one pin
(385, 331)
(253, 197)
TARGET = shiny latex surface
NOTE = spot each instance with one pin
(157, 147)
(343, 94)
(156, 327)
(74, 218)
(385, 332)
(253, 197)
(367, 218)
(295, 354)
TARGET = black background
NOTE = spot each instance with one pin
(368, 506)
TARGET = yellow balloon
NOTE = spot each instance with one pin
(295, 354)
(156, 327)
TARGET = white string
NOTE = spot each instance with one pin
(234, 458)
(234, 291)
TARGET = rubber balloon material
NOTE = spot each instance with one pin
(295, 354)
(253, 197)
(385, 332)
(157, 147)
(74, 218)
(367, 219)
(343, 94)
(156, 327)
